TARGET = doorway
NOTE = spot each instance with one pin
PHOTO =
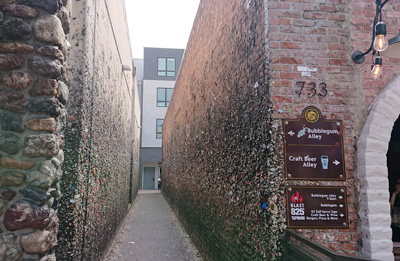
(148, 179)
(393, 164)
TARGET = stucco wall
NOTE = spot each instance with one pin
(103, 135)
(151, 112)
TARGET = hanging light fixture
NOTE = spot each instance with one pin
(377, 67)
(379, 41)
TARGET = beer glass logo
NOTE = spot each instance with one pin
(324, 161)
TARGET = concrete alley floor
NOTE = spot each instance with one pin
(150, 232)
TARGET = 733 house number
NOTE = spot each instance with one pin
(321, 89)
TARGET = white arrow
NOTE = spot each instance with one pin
(341, 205)
(341, 215)
(340, 197)
(291, 133)
(336, 162)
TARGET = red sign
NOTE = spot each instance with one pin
(313, 147)
(317, 207)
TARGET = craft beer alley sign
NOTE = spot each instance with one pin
(313, 147)
(316, 207)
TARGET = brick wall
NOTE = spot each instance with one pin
(321, 36)
(315, 36)
(219, 149)
(222, 150)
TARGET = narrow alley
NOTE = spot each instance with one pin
(274, 130)
(151, 231)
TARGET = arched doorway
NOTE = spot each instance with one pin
(393, 163)
(374, 211)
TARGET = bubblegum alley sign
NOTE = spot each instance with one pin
(316, 207)
(313, 147)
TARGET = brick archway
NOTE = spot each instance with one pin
(374, 194)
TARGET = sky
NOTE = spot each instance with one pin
(159, 23)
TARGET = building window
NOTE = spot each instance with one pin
(160, 123)
(163, 96)
(166, 67)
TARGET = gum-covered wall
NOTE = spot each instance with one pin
(221, 159)
(102, 136)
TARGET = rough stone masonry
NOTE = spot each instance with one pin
(32, 116)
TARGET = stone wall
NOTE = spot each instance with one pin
(102, 135)
(223, 150)
(219, 144)
(33, 97)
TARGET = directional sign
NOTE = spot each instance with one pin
(314, 147)
(316, 207)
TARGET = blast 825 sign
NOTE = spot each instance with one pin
(316, 207)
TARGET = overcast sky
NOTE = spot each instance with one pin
(160, 23)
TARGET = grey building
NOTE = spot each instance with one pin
(160, 71)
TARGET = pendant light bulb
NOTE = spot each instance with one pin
(377, 68)
(380, 43)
